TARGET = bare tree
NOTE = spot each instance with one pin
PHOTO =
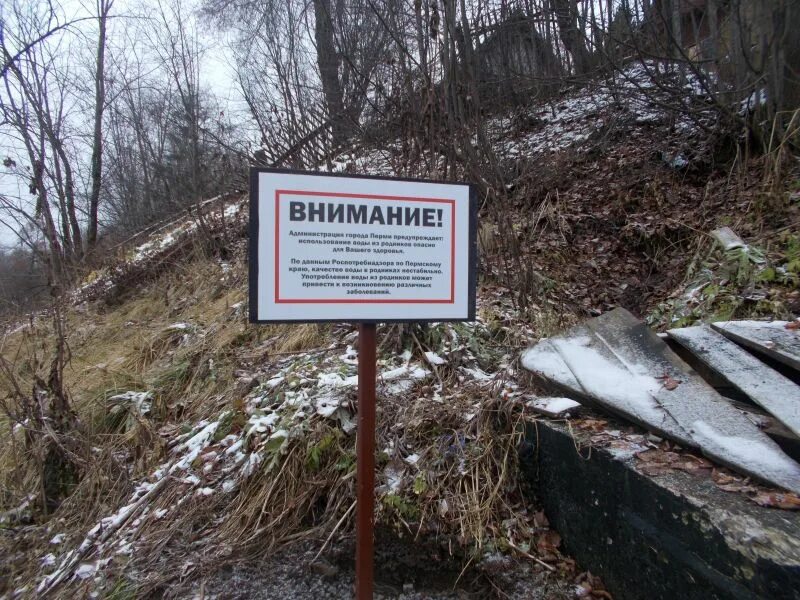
(321, 67)
(103, 10)
(23, 45)
(34, 112)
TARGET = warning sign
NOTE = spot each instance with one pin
(343, 248)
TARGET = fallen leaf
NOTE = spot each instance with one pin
(591, 424)
(728, 483)
(777, 500)
(795, 325)
(691, 466)
(654, 456)
(552, 538)
(654, 470)
(722, 478)
(547, 544)
(668, 382)
(658, 456)
(540, 520)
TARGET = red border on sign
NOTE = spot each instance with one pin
(452, 203)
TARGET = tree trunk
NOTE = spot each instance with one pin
(103, 8)
(566, 12)
(328, 61)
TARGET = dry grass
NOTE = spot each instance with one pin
(295, 338)
(466, 470)
(135, 345)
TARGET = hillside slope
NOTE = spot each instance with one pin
(204, 441)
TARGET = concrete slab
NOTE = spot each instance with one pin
(675, 535)
(765, 386)
(617, 362)
(770, 338)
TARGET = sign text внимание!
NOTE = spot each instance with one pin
(334, 248)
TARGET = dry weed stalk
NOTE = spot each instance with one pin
(783, 142)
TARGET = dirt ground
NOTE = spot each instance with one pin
(403, 571)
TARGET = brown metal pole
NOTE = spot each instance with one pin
(365, 460)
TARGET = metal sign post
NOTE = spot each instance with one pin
(365, 460)
(334, 248)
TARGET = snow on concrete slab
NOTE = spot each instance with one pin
(765, 386)
(553, 406)
(582, 366)
(776, 339)
(617, 362)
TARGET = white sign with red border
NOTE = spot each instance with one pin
(367, 249)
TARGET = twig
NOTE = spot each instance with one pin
(538, 561)
(327, 541)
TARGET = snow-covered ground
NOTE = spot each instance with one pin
(638, 96)
(643, 94)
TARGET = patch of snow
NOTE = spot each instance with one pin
(48, 560)
(769, 461)
(777, 325)
(141, 402)
(125, 548)
(635, 388)
(327, 405)
(434, 359)
(275, 382)
(350, 356)
(412, 459)
(235, 447)
(675, 160)
(195, 445)
(394, 477)
(346, 421)
(554, 406)
(253, 460)
(477, 374)
(261, 423)
(401, 379)
(85, 570)
(570, 121)
(336, 380)
(232, 209)
(279, 434)
(624, 449)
